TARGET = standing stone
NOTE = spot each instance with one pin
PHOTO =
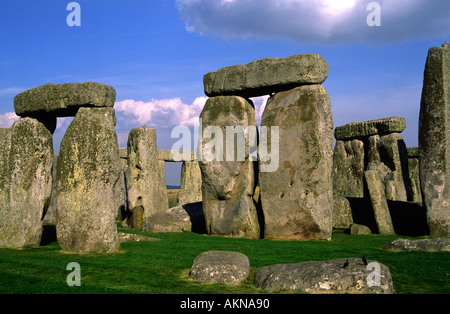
(228, 184)
(342, 213)
(297, 199)
(414, 176)
(28, 173)
(434, 140)
(88, 175)
(394, 155)
(191, 183)
(5, 186)
(348, 168)
(51, 215)
(146, 189)
(379, 202)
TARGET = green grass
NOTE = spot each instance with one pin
(162, 267)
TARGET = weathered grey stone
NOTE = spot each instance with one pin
(342, 213)
(221, 267)
(297, 198)
(63, 99)
(266, 76)
(181, 218)
(228, 184)
(359, 229)
(27, 173)
(369, 128)
(168, 155)
(348, 168)
(325, 277)
(88, 172)
(427, 245)
(51, 215)
(434, 140)
(146, 189)
(379, 204)
(414, 176)
(191, 183)
(393, 153)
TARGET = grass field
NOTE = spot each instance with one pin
(162, 267)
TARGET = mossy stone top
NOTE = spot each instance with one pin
(63, 100)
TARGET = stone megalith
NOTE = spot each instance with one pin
(26, 169)
(146, 189)
(266, 76)
(191, 183)
(348, 168)
(434, 140)
(228, 173)
(380, 207)
(297, 199)
(88, 176)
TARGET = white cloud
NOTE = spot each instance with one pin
(165, 113)
(7, 119)
(320, 21)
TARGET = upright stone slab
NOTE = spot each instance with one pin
(228, 184)
(434, 140)
(88, 176)
(146, 189)
(297, 199)
(191, 183)
(379, 203)
(394, 155)
(348, 168)
(28, 173)
(5, 186)
(266, 76)
(414, 175)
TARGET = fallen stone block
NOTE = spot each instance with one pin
(221, 267)
(333, 276)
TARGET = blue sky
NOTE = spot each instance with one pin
(155, 53)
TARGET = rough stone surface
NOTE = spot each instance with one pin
(368, 128)
(342, 213)
(324, 277)
(359, 229)
(394, 155)
(5, 187)
(379, 203)
(88, 173)
(228, 186)
(63, 99)
(414, 175)
(168, 155)
(191, 183)
(434, 140)
(348, 168)
(28, 175)
(297, 198)
(146, 189)
(51, 215)
(427, 245)
(221, 267)
(266, 76)
(181, 218)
